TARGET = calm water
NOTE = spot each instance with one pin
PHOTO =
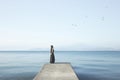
(88, 65)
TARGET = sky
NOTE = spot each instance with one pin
(66, 24)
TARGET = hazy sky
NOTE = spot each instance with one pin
(67, 24)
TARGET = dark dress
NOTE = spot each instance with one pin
(52, 57)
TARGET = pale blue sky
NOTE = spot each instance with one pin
(67, 24)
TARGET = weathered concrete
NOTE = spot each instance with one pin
(57, 71)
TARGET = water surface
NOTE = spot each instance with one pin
(88, 65)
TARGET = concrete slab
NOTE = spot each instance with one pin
(57, 71)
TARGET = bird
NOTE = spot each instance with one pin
(103, 18)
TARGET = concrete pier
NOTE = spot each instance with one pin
(57, 71)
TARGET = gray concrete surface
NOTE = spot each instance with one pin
(57, 71)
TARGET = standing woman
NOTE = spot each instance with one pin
(52, 57)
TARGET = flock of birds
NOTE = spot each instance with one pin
(76, 25)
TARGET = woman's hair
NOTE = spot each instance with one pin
(51, 46)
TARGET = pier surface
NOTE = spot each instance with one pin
(57, 71)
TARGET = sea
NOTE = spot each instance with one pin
(88, 65)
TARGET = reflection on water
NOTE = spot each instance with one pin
(87, 65)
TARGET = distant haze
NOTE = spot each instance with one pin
(66, 24)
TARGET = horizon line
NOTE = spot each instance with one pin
(55, 50)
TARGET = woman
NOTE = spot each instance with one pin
(52, 57)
